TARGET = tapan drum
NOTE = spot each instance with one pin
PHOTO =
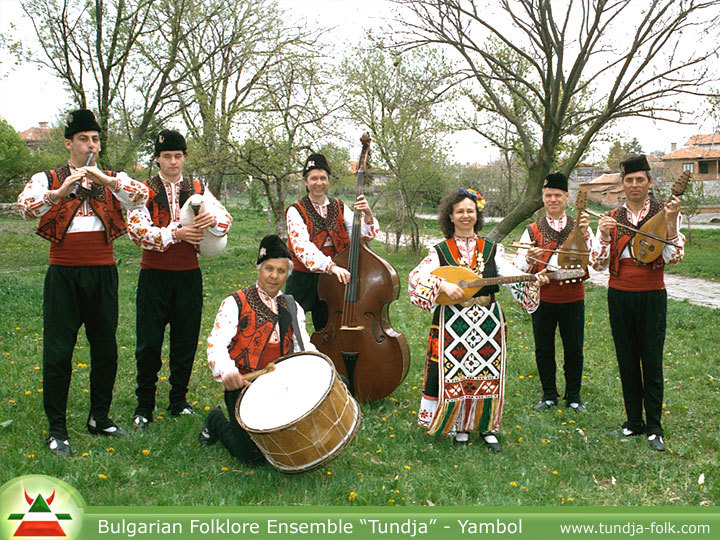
(300, 415)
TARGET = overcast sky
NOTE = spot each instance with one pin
(29, 96)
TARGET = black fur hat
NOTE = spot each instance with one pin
(80, 120)
(634, 164)
(272, 247)
(316, 161)
(169, 140)
(556, 180)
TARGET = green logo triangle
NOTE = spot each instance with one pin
(39, 505)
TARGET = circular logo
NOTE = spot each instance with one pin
(38, 506)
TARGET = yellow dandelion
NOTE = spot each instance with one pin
(329, 473)
(513, 484)
(692, 378)
(200, 342)
(664, 405)
(111, 449)
(28, 392)
(413, 412)
(521, 377)
(224, 469)
(40, 390)
(559, 411)
(11, 401)
(102, 476)
(520, 439)
(555, 472)
(392, 436)
(31, 456)
(206, 408)
(360, 474)
(544, 441)
(378, 450)
(517, 427)
(407, 467)
(145, 452)
(570, 499)
(352, 496)
(84, 454)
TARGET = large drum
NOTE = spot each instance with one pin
(300, 415)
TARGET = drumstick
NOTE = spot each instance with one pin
(255, 374)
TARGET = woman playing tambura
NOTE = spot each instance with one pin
(465, 392)
(253, 327)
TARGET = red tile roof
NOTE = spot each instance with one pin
(692, 153)
(713, 138)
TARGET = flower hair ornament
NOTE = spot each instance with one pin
(475, 196)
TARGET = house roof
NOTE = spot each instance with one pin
(712, 138)
(35, 134)
(692, 152)
(607, 178)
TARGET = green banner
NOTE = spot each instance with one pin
(37, 506)
(426, 523)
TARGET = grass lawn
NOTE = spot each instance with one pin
(550, 458)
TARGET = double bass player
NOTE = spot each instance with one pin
(318, 228)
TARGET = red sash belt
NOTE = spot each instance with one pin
(180, 256)
(637, 278)
(82, 249)
(555, 293)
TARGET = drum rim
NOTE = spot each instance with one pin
(330, 456)
(301, 418)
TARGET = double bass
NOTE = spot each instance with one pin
(358, 336)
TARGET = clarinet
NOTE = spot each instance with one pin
(74, 192)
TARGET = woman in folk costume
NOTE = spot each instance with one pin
(465, 391)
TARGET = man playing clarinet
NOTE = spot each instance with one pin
(637, 299)
(81, 211)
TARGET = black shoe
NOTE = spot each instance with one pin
(59, 447)
(578, 407)
(493, 443)
(623, 432)
(656, 442)
(140, 422)
(110, 429)
(178, 409)
(205, 437)
(544, 404)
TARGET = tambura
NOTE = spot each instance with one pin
(300, 415)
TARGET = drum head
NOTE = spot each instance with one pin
(296, 386)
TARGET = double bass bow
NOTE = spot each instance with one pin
(358, 336)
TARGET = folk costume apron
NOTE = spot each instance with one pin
(465, 371)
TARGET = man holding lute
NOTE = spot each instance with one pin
(637, 299)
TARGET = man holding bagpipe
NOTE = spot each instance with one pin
(81, 211)
(637, 299)
(169, 287)
(562, 304)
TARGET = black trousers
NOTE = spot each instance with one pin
(166, 297)
(233, 437)
(303, 287)
(638, 322)
(73, 296)
(570, 318)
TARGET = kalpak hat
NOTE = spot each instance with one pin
(169, 140)
(634, 164)
(80, 120)
(316, 161)
(556, 180)
(272, 247)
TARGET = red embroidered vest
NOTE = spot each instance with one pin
(256, 322)
(625, 274)
(181, 256)
(555, 292)
(320, 228)
(54, 224)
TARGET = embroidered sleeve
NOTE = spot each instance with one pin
(526, 293)
(303, 330)
(368, 230)
(224, 329)
(223, 219)
(591, 244)
(422, 285)
(148, 236)
(600, 254)
(299, 240)
(674, 254)
(520, 260)
(33, 201)
(131, 193)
